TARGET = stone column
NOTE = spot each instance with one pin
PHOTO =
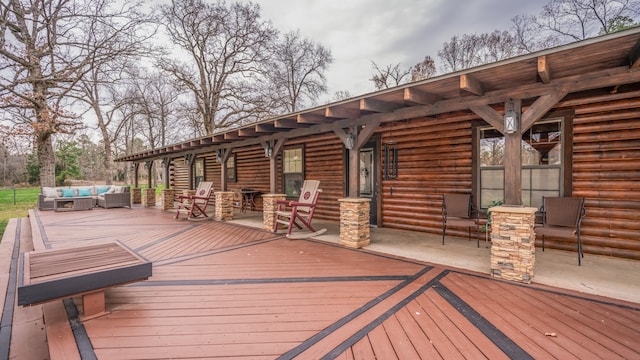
(149, 197)
(136, 196)
(269, 207)
(354, 222)
(224, 205)
(513, 243)
(168, 197)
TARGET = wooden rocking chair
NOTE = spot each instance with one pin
(195, 205)
(301, 211)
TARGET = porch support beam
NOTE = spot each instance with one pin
(492, 117)
(167, 165)
(513, 162)
(222, 155)
(136, 166)
(540, 107)
(276, 146)
(149, 172)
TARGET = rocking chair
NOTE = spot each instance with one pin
(301, 210)
(195, 205)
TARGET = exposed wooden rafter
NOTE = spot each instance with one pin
(488, 114)
(338, 112)
(247, 132)
(311, 119)
(540, 107)
(543, 69)
(232, 135)
(417, 97)
(286, 123)
(471, 85)
(378, 106)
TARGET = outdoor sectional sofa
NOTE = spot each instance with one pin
(106, 196)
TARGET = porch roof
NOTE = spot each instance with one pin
(606, 61)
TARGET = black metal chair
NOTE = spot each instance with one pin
(561, 217)
(458, 211)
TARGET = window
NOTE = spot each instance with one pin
(292, 174)
(231, 168)
(198, 172)
(541, 163)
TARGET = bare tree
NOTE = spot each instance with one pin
(46, 48)
(571, 20)
(424, 69)
(390, 76)
(124, 39)
(298, 70)
(341, 95)
(226, 47)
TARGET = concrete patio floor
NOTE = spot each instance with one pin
(599, 275)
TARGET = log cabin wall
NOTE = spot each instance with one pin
(179, 177)
(434, 157)
(252, 171)
(606, 171)
(324, 161)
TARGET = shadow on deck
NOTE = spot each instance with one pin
(222, 290)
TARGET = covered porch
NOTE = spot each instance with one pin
(223, 289)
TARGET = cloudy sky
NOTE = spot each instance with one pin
(387, 31)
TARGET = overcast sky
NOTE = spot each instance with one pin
(387, 31)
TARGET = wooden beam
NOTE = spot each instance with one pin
(594, 80)
(418, 97)
(340, 112)
(378, 106)
(267, 128)
(218, 138)
(471, 85)
(543, 70)
(488, 114)
(233, 135)
(540, 107)
(311, 119)
(366, 133)
(286, 123)
(247, 132)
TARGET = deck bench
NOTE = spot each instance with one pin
(47, 275)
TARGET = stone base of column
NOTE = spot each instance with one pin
(354, 222)
(269, 207)
(513, 243)
(224, 205)
(168, 198)
(136, 196)
(149, 197)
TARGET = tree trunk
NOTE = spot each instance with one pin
(47, 161)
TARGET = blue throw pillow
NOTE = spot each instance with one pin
(102, 189)
(84, 192)
(68, 193)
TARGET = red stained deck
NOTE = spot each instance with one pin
(226, 291)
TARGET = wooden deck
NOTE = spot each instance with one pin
(220, 290)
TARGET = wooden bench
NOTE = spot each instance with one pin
(47, 275)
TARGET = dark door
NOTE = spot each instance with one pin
(369, 178)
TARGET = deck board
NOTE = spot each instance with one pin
(220, 290)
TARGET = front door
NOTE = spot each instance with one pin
(369, 178)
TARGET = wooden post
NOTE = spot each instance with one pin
(513, 163)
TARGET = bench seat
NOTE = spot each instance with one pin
(47, 275)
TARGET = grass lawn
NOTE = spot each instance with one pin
(25, 199)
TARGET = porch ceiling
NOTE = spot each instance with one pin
(606, 61)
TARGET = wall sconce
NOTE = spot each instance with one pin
(219, 155)
(268, 151)
(510, 119)
(350, 141)
(187, 157)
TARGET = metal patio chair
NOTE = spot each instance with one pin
(458, 211)
(561, 217)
